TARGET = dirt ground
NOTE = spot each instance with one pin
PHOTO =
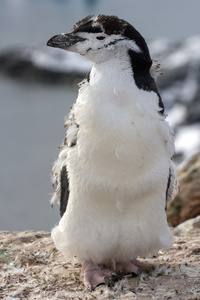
(31, 268)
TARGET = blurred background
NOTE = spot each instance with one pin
(38, 87)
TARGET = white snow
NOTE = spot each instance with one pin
(187, 140)
(60, 60)
(187, 52)
(176, 115)
(160, 46)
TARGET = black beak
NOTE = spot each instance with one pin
(64, 41)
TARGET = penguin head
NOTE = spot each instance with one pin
(101, 38)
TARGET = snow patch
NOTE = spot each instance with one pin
(187, 140)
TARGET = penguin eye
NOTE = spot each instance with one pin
(100, 37)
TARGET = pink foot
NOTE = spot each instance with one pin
(128, 267)
(93, 275)
(142, 265)
(133, 266)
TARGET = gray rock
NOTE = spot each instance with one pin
(188, 228)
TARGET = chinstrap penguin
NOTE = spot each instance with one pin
(114, 174)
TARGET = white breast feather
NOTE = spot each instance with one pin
(118, 172)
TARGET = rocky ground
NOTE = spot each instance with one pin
(31, 268)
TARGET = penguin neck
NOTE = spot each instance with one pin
(112, 73)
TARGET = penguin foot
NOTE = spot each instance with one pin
(94, 276)
(135, 266)
(127, 268)
(142, 265)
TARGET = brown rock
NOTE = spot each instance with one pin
(186, 205)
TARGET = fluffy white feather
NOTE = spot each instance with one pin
(118, 171)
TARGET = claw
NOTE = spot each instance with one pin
(138, 273)
(90, 288)
(109, 282)
(116, 277)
